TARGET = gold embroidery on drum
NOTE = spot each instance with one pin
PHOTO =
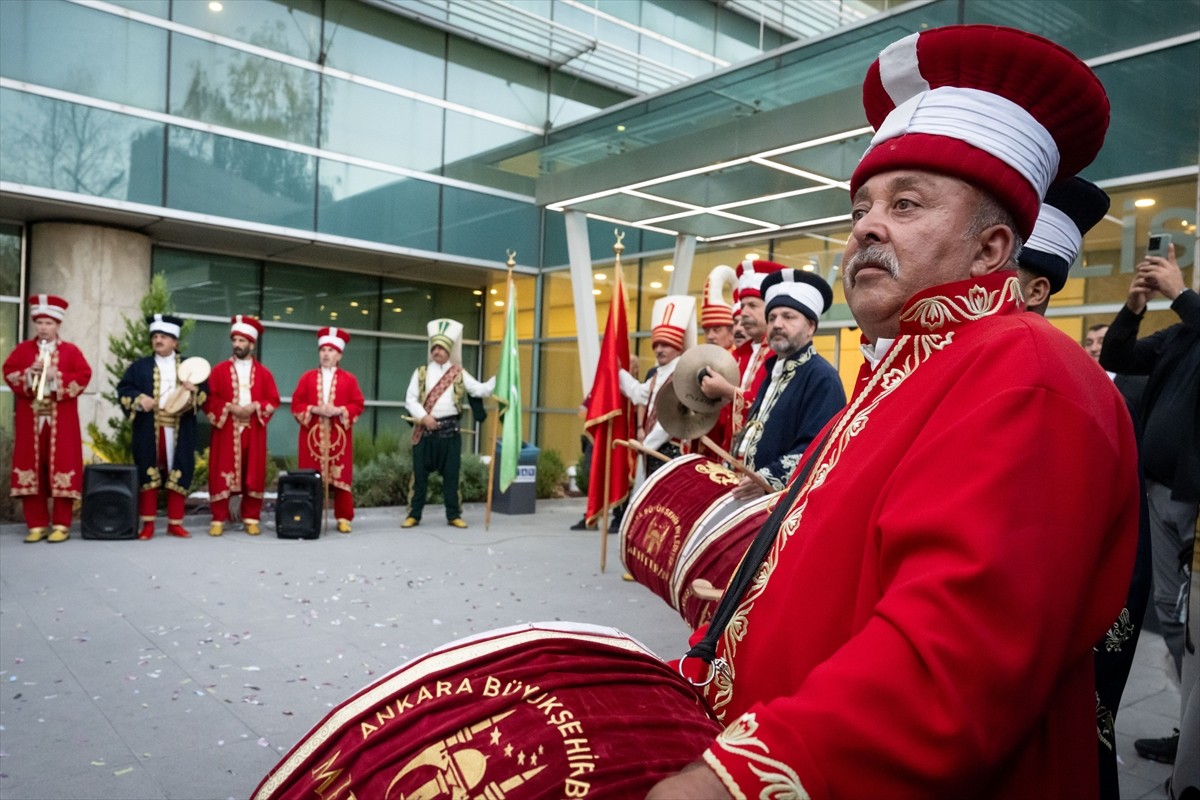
(717, 473)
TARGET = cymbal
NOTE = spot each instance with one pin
(691, 368)
(679, 420)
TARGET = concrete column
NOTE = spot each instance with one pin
(103, 273)
(580, 255)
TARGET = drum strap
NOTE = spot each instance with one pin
(706, 648)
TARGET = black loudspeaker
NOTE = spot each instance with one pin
(110, 509)
(299, 505)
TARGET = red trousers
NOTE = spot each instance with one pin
(37, 507)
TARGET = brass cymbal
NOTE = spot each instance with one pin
(690, 369)
(679, 420)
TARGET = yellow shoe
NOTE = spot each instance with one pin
(457, 522)
(410, 522)
(252, 528)
(60, 534)
(343, 526)
(628, 576)
(35, 535)
(216, 528)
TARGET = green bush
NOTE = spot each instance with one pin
(583, 468)
(551, 475)
(10, 507)
(385, 480)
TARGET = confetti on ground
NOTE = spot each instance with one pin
(124, 771)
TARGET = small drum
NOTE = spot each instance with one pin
(535, 711)
(717, 545)
(194, 370)
(662, 514)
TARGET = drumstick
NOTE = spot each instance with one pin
(737, 465)
(704, 589)
(634, 444)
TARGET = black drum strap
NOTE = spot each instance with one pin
(706, 648)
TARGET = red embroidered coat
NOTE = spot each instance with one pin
(225, 457)
(66, 442)
(923, 626)
(327, 437)
(753, 362)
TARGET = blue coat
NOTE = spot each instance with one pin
(141, 378)
(812, 394)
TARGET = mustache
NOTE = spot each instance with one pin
(875, 256)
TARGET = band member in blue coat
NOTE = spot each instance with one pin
(164, 428)
(804, 391)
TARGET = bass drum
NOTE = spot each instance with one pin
(662, 514)
(536, 711)
(717, 545)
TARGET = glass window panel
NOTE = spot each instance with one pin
(561, 432)
(484, 226)
(371, 42)
(308, 296)
(155, 8)
(558, 308)
(231, 178)
(397, 360)
(203, 283)
(287, 26)
(407, 307)
(497, 311)
(573, 99)
(471, 148)
(78, 49)
(10, 262)
(6, 409)
(234, 89)
(209, 340)
(376, 206)
(489, 80)
(1146, 94)
(370, 123)
(10, 324)
(1088, 28)
(561, 382)
(76, 148)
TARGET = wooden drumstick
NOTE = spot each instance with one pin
(634, 444)
(704, 589)
(737, 465)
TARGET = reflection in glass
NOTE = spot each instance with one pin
(215, 285)
(483, 226)
(289, 26)
(74, 148)
(234, 89)
(10, 262)
(78, 49)
(233, 178)
(370, 123)
(308, 296)
(363, 203)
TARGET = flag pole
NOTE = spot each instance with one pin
(487, 518)
(603, 526)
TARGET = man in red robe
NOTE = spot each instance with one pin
(327, 402)
(241, 399)
(46, 376)
(921, 622)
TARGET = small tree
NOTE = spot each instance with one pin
(116, 446)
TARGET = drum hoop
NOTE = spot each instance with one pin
(631, 506)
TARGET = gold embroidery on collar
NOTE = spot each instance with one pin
(932, 313)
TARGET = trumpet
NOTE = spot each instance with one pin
(41, 383)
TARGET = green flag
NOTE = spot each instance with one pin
(508, 392)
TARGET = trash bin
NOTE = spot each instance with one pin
(521, 495)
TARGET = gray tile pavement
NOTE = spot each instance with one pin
(184, 669)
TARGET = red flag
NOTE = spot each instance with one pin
(607, 403)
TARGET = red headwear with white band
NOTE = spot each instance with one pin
(247, 326)
(337, 338)
(48, 306)
(1000, 108)
(715, 312)
(750, 276)
(673, 321)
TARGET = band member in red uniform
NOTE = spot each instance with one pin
(752, 356)
(241, 399)
(918, 619)
(716, 322)
(46, 376)
(327, 402)
(164, 434)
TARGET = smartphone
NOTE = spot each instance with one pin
(1159, 242)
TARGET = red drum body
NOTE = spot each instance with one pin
(550, 710)
(718, 542)
(662, 514)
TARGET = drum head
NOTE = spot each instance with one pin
(194, 370)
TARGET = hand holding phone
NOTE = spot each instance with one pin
(1158, 245)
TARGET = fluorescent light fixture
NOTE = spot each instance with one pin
(1143, 202)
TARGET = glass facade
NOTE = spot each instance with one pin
(348, 125)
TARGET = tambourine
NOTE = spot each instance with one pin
(194, 370)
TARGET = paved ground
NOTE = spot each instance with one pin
(184, 669)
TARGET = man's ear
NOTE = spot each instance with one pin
(1037, 293)
(995, 250)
